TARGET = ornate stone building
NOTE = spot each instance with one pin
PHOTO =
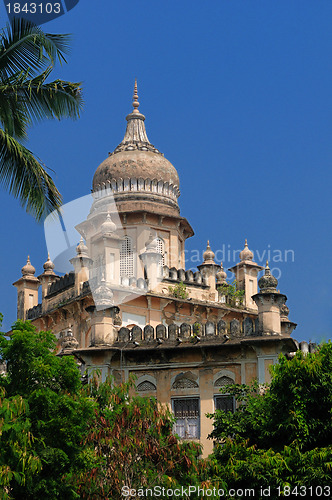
(130, 307)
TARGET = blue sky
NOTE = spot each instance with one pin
(238, 95)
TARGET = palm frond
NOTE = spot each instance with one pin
(24, 46)
(24, 177)
(38, 100)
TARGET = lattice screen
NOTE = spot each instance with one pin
(127, 258)
(146, 386)
(222, 381)
(184, 383)
(161, 250)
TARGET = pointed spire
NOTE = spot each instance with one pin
(135, 137)
(135, 99)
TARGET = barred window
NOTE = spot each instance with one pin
(224, 403)
(127, 258)
(186, 412)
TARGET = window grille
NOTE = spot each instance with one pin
(146, 386)
(222, 381)
(224, 403)
(127, 258)
(161, 250)
(186, 412)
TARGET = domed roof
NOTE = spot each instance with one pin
(108, 225)
(246, 254)
(221, 275)
(268, 283)
(208, 255)
(136, 165)
(28, 269)
(48, 266)
(81, 249)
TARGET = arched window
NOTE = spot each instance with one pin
(127, 258)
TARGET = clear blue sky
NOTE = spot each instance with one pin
(238, 95)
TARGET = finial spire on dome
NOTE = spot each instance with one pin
(268, 283)
(48, 265)
(246, 254)
(135, 99)
(28, 269)
(208, 255)
(82, 249)
(135, 137)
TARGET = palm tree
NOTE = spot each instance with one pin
(27, 57)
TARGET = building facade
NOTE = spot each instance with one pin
(129, 306)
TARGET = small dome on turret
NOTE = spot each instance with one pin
(108, 226)
(48, 265)
(28, 269)
(268, 283)
(221, 275)
(81, 248)
(152, 244)
(246, 254)
(208, 255)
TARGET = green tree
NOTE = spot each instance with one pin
(53, 413)
(27, 58)
(280, 434)
(59, 439)
(134, 445)
(18, 460)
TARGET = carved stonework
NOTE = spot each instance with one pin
(136, 333)
(161, 331)
(68, 342)
(248, 327)
(235, 328)
(124, 334)
(210, 329)
(148, 333)
(185, 330)
(173, 331)
(221, 327)
(184, 383)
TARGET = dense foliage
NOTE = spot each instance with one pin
(61, 440)
(282, 434)
(51, 410)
